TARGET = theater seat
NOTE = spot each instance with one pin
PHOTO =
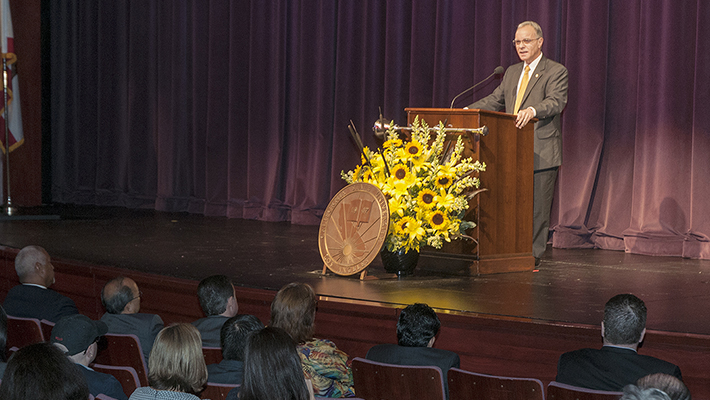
(123, 351)
(213, 355)
(380, 381)
(561, 391)
(216, 391)
(470, 385)
(47, 327)
(23, 331)
(127, 376)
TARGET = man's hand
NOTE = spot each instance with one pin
(524, 116)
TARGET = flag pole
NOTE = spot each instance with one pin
(8, 209)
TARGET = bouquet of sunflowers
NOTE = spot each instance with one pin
(427, 187)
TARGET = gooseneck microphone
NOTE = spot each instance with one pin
(499, 70)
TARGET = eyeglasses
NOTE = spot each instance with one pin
(140, 294)
(517, 43)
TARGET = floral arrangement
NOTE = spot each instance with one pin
(427, 187)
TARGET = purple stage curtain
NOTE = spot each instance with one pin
(240, 108)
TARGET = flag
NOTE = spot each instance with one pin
(15, 136)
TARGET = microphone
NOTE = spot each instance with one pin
(499, 70)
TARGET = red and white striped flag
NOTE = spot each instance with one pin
(15, 137)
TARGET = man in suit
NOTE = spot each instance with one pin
(233, 337)
(76, 335)
(33, 298)
(219, 303)
(417, 328)
(122, 300)
(617, 363)
(543, 96)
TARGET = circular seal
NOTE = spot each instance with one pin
(353, 228)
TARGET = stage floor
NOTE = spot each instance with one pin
(569, 286)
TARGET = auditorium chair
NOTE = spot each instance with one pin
(213, 355)
(380, 381)
(216, 391)
(561, 391)
(47, 327)
(23, 331)
(473, 386)
(127, 376)
(123, 351)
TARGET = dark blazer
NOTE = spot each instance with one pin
(547, 94)
(100, 383)
(421, 356)
(144, 326)
(28, 301)
(609, 368)
(209, 328)
(230, 372)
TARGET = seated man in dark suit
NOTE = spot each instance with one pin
(416, 333)
(617, 363)
(76, 335)
(122, 300)
(233, 336)
(34, 299)
(219, 303)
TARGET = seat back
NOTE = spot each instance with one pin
(216, 391)
(561, 391)
(213, 355)
(123, 351)
(47, 329)
(127, 376)
(474, 386)
(380, 381)
(23, 331)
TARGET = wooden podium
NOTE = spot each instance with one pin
(503, 214)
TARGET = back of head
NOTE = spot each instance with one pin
(272, 369)
(633, 392)
(26, 260)
(116, 294)
(624, 319)
(417, 324)
(41, 371)
(672, 386)
(176, 362)
(213, 293)
(234, 333)
(294, 310)
(3, 333)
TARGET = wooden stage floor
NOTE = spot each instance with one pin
(570, 286)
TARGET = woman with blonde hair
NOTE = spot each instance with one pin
(176, 365)
(328, 369)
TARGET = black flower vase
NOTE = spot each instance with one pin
(399, 262)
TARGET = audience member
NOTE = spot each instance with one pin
(3, 341)
(177, 366)
(122, 300)
(33, 298)
(41, 371)
(273, 369)
(672, 386)
(633, 392)
(219, 303)
(417, 328)
(233, 336)
(294, 310)
(76, 335)
(617, 363)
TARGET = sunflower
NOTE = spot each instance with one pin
(438, 220)
(425, 199)
(413, 149)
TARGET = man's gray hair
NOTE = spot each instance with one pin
(27, 258)
(535, 26)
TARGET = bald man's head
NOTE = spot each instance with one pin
(33, 265)
(121, 296)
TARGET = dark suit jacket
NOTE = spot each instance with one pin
(547, 94)
(209, 328)
(144, 326)
(421, 356)
(28, 301)
(100, 383)
(609, 368)
(229, 372)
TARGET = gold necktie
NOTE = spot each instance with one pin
(521, 91)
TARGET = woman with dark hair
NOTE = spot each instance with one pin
(272, 369)
(328, 369)
(176, 364)
(3, 340)
(42, 371)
